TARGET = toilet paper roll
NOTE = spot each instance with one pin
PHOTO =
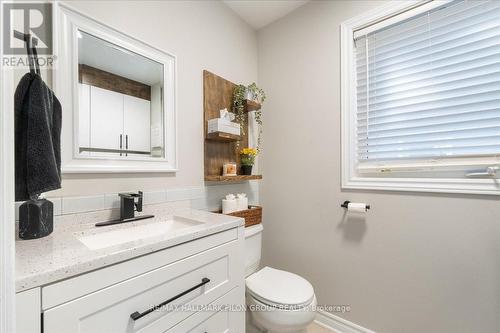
(229, 206)
(242, 203)
(357, 207)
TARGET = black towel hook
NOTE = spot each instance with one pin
(31, 43)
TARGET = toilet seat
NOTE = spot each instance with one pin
(280, 289)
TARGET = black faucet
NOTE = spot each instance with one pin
(128, 206)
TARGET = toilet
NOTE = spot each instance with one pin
(277, 301)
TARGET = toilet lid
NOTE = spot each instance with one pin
(276, 287)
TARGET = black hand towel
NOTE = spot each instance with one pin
(37, 138)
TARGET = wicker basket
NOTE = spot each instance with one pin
(253, 215)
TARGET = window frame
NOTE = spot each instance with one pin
(351, 178)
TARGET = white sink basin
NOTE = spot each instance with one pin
(111, 238)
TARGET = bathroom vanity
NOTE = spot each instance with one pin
(175, 274)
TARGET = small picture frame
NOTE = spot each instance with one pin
(229, 169)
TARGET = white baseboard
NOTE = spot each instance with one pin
(338, 324)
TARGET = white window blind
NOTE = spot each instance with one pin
(428, 87)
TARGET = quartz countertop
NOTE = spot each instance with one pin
(62, 255)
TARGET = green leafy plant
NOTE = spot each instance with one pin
(258, 120)
(254, 93)
(239, 96)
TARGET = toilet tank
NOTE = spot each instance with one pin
(253, 247)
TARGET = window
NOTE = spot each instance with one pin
(421, 97)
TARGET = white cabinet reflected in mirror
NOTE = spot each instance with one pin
(122, 94)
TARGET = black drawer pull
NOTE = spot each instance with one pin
(136, 315)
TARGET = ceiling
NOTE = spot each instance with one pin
(259, 13)
(100, 54)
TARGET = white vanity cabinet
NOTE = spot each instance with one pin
(194, 281)
(28, 311)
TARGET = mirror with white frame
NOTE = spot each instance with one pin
(118, 97)
(120, 109)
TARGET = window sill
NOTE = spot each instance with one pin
(435, 185)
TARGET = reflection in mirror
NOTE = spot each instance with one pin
(120, 102)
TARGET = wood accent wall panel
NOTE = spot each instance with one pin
(105, 80)
(217, 95)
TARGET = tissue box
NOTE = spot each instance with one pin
(222, 125)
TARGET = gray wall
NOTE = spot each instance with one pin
(417, 262)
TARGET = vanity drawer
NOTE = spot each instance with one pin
(218, 320)
(64, 291)
(110, 309)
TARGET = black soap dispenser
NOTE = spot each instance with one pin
(36, 219)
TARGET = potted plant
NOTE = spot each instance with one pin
(254, 93)
(247, 158)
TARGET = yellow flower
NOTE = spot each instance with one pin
(249, 151)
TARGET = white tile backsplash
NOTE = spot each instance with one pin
(199, 197)
(111, 201)
(156, 197)
(57, 205)
(179, 194)
(198, 192)
(18, 204)
(72, 205)
(199, 203)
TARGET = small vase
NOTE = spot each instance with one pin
(246, 170)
